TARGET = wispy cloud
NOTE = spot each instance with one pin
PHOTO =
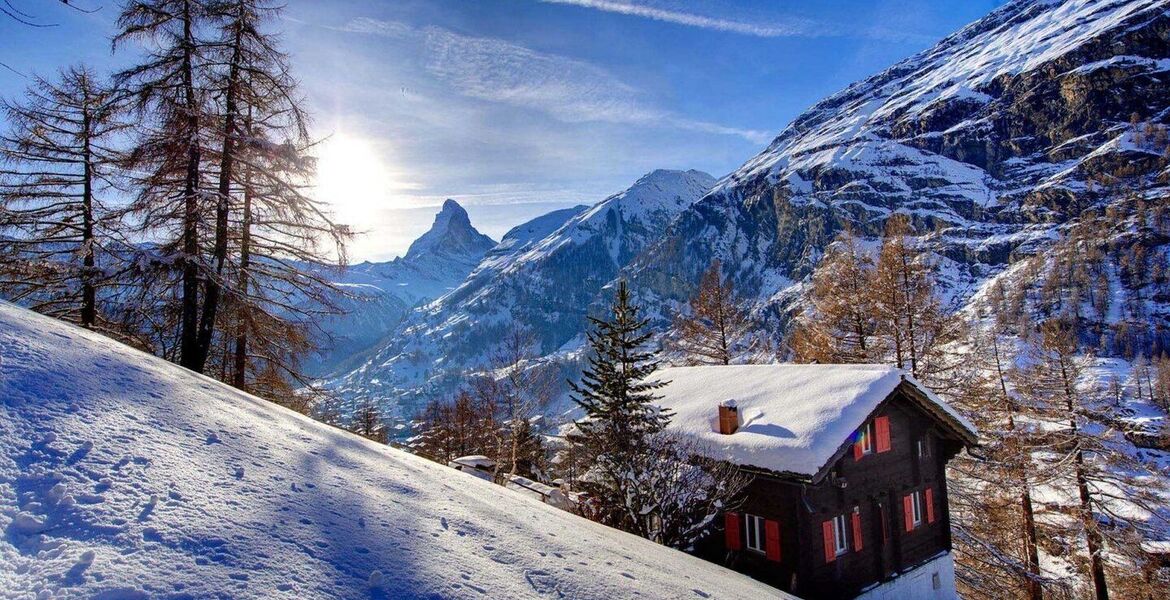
(787, 28)
(567, 89)
(754, 25)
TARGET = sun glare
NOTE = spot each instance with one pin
(352, 178)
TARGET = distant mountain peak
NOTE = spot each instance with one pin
(451, 236)
(663, 175)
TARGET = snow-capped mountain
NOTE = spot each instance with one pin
(379, 294)
(433, 265)
(542, 277)
(125, 476)
(995, 140)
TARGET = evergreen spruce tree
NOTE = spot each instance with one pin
(617, 394)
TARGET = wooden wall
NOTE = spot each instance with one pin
(875, 481)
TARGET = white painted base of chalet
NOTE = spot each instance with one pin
(933, 580)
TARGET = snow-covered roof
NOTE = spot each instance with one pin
(477, 461)
(122, 475)
(793, 418)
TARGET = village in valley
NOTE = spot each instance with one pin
(308, 301)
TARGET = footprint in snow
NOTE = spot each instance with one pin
(443, 522)
(212, 438)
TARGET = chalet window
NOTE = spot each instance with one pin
(872, 437)
(917, 505)
(755, 532)
(840, 541)
(923, 448)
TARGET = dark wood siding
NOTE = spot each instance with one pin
(874, 486)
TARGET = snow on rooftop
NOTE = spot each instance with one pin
(477, 461)
(793, 418)
(125, 476)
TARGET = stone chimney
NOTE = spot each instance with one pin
(728, 417)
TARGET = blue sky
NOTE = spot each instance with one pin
(515, 107)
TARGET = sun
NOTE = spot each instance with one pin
(352, 178)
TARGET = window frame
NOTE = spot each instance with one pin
(923, 448)
(867, 439)
(840, 536)
(754, 528)
(916, 508)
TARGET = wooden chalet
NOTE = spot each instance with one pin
(849, 496)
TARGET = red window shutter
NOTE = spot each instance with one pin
(830, 549)
(929, 505)
(882, 427)
(908, 511)
(731, 531)
(772, 540)
(857, 545)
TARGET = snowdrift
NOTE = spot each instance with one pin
(124, 476)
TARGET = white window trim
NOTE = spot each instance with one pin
(840, 537)
(916, 508)
(754, 528)
(867, 446)
(923, 448)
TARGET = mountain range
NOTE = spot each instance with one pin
(997, 143)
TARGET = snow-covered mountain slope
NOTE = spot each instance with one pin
(520, 238)
(544, 285)
(124, 476)
(995, 140)
(377, 295)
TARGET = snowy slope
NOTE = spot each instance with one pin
(542, 284)
(123, 476)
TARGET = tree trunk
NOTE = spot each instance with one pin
(212, 288)
(1092, 535)
(189, 350)
(88, 293)
(1031, 547)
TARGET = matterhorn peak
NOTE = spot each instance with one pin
(451, 236)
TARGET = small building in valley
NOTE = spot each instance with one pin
(849, 495)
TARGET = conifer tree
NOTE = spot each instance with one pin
(841, 327)
(169, 89)
(616, 392)
(714, 329)
(59, 165)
